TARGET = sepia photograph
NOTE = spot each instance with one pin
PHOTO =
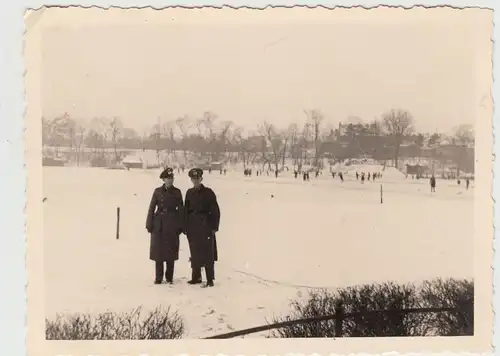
(244, 174)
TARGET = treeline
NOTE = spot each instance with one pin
(391, 137)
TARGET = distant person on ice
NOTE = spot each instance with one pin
(433, 183)
(341, 176)
(202, 222)
(363, 177)
(165, 222)
(467, 183)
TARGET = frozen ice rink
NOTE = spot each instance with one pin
(278, 237)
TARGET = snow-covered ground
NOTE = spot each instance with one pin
(320, 233)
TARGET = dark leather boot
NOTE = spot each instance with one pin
(158, 272)
(195, 276)
(210, 271)
(169, 274)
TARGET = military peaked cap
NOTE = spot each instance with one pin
(195, 173)
(167, 173)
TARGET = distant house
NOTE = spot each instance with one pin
(416, 169)
(133, 161)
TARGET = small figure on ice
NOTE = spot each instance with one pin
(433, 184)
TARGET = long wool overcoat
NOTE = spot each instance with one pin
(165, 222)
(202, 216)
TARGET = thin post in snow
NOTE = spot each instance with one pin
(117, 223)
(381, 194)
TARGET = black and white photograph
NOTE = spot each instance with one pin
(261, 174)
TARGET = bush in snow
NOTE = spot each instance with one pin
(453, 294)
(437, 293)
(157, 324)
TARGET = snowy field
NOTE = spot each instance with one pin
(317, 234)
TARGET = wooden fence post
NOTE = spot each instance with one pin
(339, 319)
(117, 223)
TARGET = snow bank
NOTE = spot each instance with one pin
(311, 234)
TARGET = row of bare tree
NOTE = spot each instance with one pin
(211, 138)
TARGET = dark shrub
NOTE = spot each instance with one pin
(319, 303)
(363, 302)
(157, 324)
(450, 293)
(387, 296)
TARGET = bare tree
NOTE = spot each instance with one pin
(223, 138)
(464, 135)
(206, 130)
(157, 136)
(247, 147)
(274, 144)
(304, 143)
(398, 123)
(434, 139)
(168, 130)
(464, 138)
(116, 130)
(289, 143)
(130, 138)
(293, 147)
(60, 131)
(315, 119)
(80, 131)
(183, 124)
(97, 139)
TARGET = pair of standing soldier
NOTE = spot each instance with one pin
(197, 217)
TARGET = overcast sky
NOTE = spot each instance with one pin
(248, 72)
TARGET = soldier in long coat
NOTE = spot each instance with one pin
(165, 222)
(202, 216)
